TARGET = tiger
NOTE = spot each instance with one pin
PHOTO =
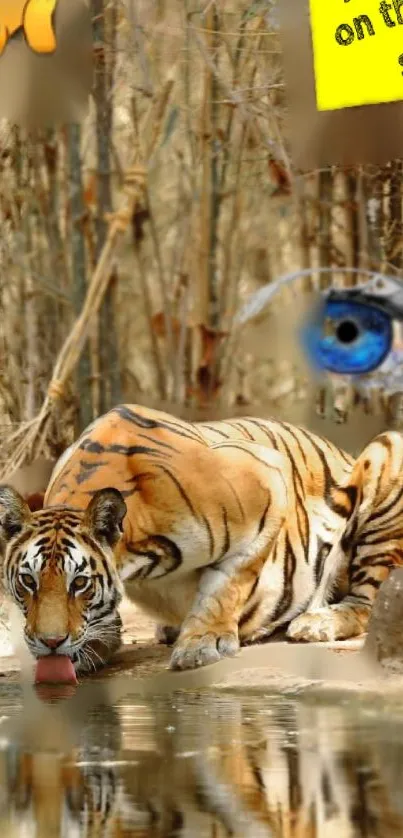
(224, 532)
(269, 766)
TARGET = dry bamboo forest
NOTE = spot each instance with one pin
(129, 242)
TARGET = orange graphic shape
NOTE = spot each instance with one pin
(11, 19)
(35, 17)
(38, 26)
(3, 37)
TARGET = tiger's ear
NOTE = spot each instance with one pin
(15, 513)
(104, 516)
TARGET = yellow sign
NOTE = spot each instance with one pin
(34, 17)
(358, 52)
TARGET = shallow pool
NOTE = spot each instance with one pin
(208, 764)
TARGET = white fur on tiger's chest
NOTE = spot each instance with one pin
(190, 539)
(170, 596)
(166, 599)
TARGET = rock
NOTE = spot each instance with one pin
(385, 629)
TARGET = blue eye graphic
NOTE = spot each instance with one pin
(347, 336)
(352, 331)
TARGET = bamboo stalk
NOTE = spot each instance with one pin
(148, 135)
(211, 174)
(232, 111)
(395, 217)
(158, 362)
(93, 339)
(180, 383)
(103, 80)
(325, 195)
(352, 222)
(188, 88)
(79, 266)
(51, 159)
(228, 274)
(209, 306)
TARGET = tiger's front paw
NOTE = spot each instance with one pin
(190, 653)
(314, 627)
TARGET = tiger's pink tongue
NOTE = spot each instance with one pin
(55, 669)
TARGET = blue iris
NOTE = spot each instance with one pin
(348, 337)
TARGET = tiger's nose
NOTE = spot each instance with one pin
(53, 642)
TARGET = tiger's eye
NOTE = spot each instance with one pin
(79, 583)
(28, 581)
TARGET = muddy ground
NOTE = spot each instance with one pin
(277, 664)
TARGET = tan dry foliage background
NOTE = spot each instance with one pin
(221, 212)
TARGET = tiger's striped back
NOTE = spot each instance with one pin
(319, 467)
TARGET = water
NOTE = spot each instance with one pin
(206, 765)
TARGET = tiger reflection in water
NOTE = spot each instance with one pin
(210, 767)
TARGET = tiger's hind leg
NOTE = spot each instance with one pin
(333, 622)
(373, 540)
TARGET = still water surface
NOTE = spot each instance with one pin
(203, 766)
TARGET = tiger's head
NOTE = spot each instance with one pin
(58, 566)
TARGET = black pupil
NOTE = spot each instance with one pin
(347, 331)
